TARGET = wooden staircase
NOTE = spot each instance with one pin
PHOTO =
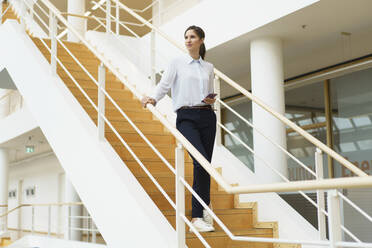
(9, 14)
(240, 218)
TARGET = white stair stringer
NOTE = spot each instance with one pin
(121, 209)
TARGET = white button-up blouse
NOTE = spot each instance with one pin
(190, 81)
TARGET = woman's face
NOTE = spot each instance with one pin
(192, 41)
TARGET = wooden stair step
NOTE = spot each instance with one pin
(71, 45)
(78, 53)
(145, 127)
(123, 103)
(114, 114)
(219, 199)
(167, 183)
(92, 92)
(157, 169)
(86, 82)
(155, 138)
(219, 239)
(81, 75)
(234, 219)
(147, 154)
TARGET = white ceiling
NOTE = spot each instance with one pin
(318, 45)
(16, 146)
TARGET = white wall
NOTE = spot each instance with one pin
(43, 174)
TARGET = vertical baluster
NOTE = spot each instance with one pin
(153, 57)
(108, 17)
(217, 85)
(94, 233)
(32, 10)
(49, 220)
(1, 12)
(69, 223)
(117, 18)
(53, 37)
(320, 195)
(334, 219)
(180, 196)
(101, 101)
(32, 220)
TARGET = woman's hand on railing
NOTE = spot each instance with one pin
(145, 100)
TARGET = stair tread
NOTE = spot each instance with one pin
(216, 211)
(241, 232)
(110, 89)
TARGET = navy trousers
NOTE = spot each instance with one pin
(199, 127)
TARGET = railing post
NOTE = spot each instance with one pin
(69, 222)
(334, 219)
(108, 17)
(94, 233)
(32, 220)
(32, 10)
(101, 101)
(180, 196)
(49, 220)
(22, 14)
(53, 37)
(320, 195)
(153, 57)
(1, 12)
(217, 85)
(117, 18)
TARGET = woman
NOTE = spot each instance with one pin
(191, 81)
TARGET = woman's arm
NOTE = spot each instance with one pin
(210, 87)
(163, 87)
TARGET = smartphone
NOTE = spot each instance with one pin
(211, 96)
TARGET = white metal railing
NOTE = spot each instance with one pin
(53, 226)
(10, 102)
(181, 184)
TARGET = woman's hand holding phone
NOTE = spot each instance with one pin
(210, 99)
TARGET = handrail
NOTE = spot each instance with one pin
(276, 114)
(41, 205)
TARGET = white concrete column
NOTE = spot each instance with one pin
(4, 179)
(72, 196)
(267, 84)
(76, 7)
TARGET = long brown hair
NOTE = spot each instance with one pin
(200, 33)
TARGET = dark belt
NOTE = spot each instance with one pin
(196, 107)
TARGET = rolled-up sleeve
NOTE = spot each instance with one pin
(166, 82)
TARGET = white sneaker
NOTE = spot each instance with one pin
(207, 217)
(202, 226)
